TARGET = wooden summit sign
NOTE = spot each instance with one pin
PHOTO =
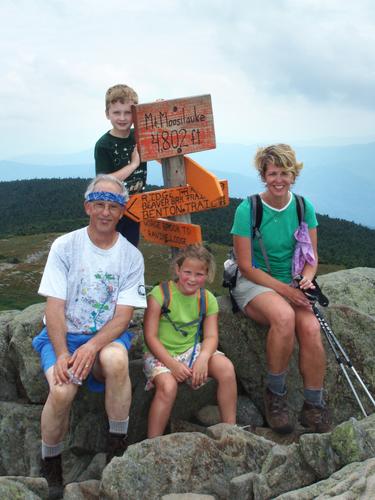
(172, 202)
(175, 127)
(171, 233)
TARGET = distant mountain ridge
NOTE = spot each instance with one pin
(339, 180)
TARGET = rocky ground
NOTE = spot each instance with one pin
(200, 456)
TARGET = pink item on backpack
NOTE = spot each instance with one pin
(303, 251)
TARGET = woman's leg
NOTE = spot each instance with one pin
(221, 369)
(271, 309)
(312, 356)
(165, 395)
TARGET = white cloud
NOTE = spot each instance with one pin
(276, 69)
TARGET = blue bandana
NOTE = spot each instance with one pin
(106, 196)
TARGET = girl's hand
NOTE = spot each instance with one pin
(200, 370)
(180, 371)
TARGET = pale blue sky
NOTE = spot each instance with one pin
(277, 70)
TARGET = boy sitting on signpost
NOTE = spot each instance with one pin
(116, 152)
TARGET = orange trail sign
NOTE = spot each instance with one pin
(171, 233)
(174, 127)
(172, 202)
(202, 180)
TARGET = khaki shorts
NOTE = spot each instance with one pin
(245, 291)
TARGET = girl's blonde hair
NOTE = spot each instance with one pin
(281, 155)
(198, 252)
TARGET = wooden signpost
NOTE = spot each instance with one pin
(175, 127)
(166, 131)
(172, 202)
(171, 233)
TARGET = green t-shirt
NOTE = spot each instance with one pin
(277, 228)
(112, 153)
(184, 308)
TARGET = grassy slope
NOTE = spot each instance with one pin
(22, 260)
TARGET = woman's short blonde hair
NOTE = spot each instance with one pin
(281, 155)
(195, 252)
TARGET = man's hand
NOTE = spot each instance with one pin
(60, 369)
(180, 371)
(82, 360)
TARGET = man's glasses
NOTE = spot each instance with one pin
(100, 206)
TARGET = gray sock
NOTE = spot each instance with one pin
(118, 426)
(51, 450)
(276, 383)
(314, 396)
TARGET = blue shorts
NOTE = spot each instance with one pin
(43, 345)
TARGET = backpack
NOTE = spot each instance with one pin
(202, 306)
(230, 265)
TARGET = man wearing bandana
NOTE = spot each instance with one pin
(93, 279)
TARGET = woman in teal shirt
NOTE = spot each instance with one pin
(266, 295)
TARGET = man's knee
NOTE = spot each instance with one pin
(114, 360)
(62, 396)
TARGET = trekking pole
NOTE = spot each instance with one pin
(316, 295)
(336, 347)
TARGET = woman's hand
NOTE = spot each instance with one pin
(200, 370)
(180, 371)
(296, 297)
(305, 283)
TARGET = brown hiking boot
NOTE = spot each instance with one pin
(315, 418)
(277, 414)
(51, 470)
(117, 445)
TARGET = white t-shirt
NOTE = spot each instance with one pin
(92, 281)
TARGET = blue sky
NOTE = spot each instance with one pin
(299, 71)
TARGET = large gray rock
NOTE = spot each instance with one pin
(351, 287)
(183, 463)
(353, 482)
(25, 488)
(20, 439)
(8, 372)
(24, 327)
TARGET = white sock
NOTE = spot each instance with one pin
(118, 426)
(51, 450)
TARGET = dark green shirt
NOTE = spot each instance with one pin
(113, 153)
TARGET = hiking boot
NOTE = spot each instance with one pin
(51, 470)
(277, 414)
(316, 418)
(117, 445)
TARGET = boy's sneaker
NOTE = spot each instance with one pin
(51, 470)
(277, 413)
(316, 418)
(117, 445)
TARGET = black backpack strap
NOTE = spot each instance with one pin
(256, 205)
(164, 287)
(300, 203)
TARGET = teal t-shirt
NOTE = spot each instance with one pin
(184, 308)
(277, 228)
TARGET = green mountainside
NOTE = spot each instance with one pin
(55, 205)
